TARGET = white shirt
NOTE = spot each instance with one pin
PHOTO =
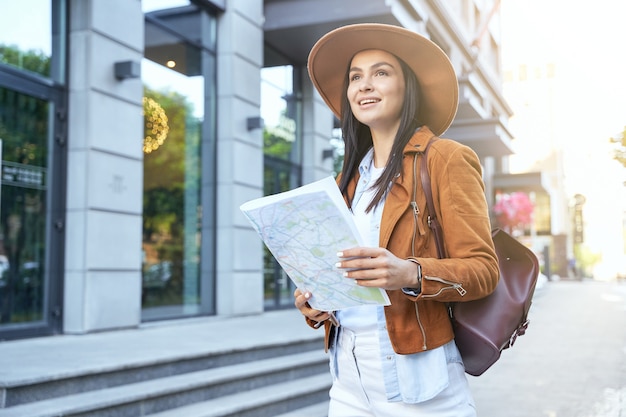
(364, 318)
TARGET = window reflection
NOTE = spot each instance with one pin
(282, 171)
(173, 113)
(279, 107)
(31, 46)
(24, 134)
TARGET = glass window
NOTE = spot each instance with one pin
(173, 112)
(24, 137)
(38, 45)
(280, 110)
(32, 113)
(542, 215)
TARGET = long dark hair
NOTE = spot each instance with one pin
(357, 137)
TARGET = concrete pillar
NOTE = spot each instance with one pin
(239, 251)
(102, 283)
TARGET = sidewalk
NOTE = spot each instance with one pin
(570, 363)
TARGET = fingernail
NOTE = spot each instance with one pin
(338, 265)
(307, 295)
(339, 254)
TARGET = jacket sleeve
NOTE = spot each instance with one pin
(471, 270)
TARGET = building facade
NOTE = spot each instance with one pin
(133, 130)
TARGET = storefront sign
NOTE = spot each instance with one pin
(20, 175)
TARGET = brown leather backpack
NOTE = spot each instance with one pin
(485, 327)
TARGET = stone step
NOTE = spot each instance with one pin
(166, 393)
(315, 410)
(94, 375)
(264, 402)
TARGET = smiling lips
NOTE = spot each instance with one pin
(368, 101)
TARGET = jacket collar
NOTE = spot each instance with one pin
(416, 144)
(419, 140)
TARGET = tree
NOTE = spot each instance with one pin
(513, 211)
(31, 60)
(278, 140)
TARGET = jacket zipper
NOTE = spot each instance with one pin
(452, 285)
(417, 225)
(419, 322)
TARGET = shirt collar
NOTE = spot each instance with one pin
(366, 163)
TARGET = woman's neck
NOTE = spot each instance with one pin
(383, 143)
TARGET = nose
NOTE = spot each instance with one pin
(366, 84)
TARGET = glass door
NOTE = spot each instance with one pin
(172, 210)
(32, 166)
(178, 75)
(30, 249)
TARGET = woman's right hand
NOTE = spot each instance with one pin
(302, 304)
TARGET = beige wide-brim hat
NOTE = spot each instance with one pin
(331, 55)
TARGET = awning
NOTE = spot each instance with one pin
(525, 182)
(292, 27)
(487, 137)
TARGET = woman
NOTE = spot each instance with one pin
(394, 91)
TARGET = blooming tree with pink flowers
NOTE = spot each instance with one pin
(514, 211)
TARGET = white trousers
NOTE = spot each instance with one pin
(359, 389)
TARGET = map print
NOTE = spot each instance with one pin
(304, 229)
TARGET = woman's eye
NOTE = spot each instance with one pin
(355, 77)
(381, 72)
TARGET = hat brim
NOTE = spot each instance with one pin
(331, 55)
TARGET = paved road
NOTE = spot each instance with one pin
(570, 363)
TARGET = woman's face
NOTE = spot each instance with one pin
(376, 89)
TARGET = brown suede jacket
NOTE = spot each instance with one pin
(471, 270)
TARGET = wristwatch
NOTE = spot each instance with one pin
(414, 292)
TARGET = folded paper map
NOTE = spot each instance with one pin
(304, 229)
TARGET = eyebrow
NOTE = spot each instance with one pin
(376, 65)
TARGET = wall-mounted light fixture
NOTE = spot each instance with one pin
(254, 123)
(127, 69)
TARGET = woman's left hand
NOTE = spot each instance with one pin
(377, 267)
